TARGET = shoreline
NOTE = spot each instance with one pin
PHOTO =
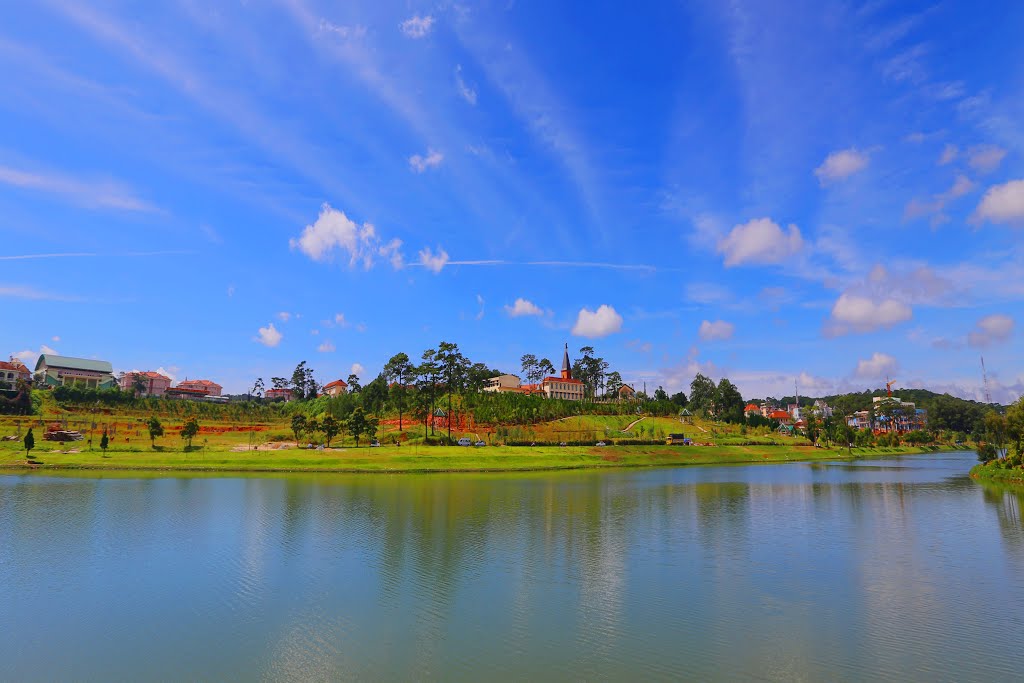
(606, 458)
(984, 473)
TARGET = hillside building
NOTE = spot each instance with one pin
(204, 385)
(54, 371)
(12, 372)
(155, 384)
(335, 388)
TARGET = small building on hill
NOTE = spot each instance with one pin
(335, 388)
(279, 395)
(751, 409)
(154, 383)
(626, 393)
(54, 371)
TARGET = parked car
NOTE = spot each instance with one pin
(600, 443)
(465, 441)
(480, 443)
(563, 444)
(375, 444)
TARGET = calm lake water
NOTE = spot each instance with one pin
(900, 569)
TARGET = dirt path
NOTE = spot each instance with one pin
(633, 423)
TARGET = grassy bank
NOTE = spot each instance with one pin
(993, 472)
(427, 459)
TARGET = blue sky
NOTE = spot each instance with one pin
(824, 192)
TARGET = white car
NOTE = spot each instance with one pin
(480, 443)
(600, 443)
(465, 441)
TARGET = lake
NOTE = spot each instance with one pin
(900, 569)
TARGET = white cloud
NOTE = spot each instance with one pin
(333, 230)
(25, 292)
(284, 316)
(760, 240)
(599, 323)
(879, 365)
(357, 369)
(916, 208)
(417, 26)
(480, 302)
(231, 291)
(420, 163)
(339, 320)
(55, 338)
(991, 329)
(314, 332)
(523, 307)
(344, 32)
(949, 154)
(468, 93)
(326, 347)
(985, 158)
(171, 372)
(718, 330)
(856, 313)
(29, 358)
(841, 165)
(269, 336)
(1002, 204)
(90, 194)
(432, 261)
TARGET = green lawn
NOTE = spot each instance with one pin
(420, 458)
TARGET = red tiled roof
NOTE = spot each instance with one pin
(560, 379)
(147, 373)
(779, 415)
(751, 408)
(335, 383)
(4, 365)
(199, 382)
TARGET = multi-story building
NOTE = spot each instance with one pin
(502, 383)
(12, 372)
(565, 386)
(152, 383)
(54, 371)
(890, 415)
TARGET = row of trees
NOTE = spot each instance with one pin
(358, 424)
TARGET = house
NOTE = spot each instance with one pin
(890, 415)
(502, 383)
(13, 371)
(781, 415)
(204, 385)
(335, 388)
(565, 386)
(279, 395)
(54, 371)
(626, 393)
(751, 409)
(821, 409)
(154, 383)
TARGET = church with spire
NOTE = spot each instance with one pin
(565, 387)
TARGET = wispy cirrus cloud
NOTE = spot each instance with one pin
(90, 193)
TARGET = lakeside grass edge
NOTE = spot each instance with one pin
(438, 461)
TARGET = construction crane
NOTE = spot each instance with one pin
(984, 381)
(888, 387)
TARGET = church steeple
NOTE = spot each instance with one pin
(566, 365)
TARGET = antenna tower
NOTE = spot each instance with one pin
(984, 381)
